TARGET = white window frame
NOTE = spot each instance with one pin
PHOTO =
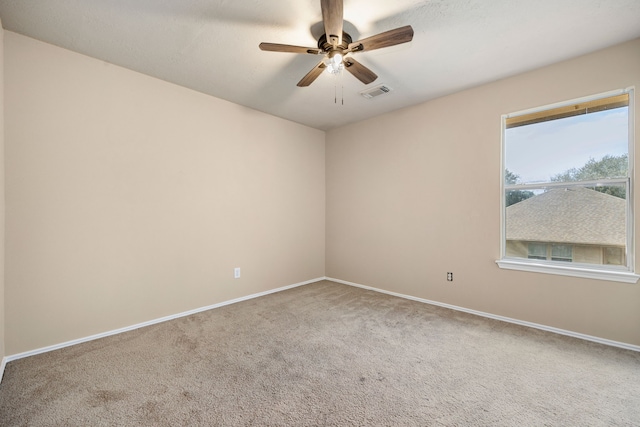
(602, 272)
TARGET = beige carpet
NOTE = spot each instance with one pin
(326, 354)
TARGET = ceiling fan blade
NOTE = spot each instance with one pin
(312, 75)
(275, 47)
(386, 39)
(332, 11)
(361, 72)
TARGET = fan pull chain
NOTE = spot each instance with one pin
(335, 87)
(342, 86)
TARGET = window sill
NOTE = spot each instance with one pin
(587, 273)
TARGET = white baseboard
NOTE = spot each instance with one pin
(2, 365)
(8, 359)
(496, 317)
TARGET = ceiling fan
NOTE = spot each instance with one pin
(335, 44)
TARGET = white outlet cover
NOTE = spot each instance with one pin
(236, 273)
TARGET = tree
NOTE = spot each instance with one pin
(607, 167)
(514, 196)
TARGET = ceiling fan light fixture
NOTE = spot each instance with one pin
(334, 63)
(335, 69)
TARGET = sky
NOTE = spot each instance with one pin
(539, 151)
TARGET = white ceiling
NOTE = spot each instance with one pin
(212, 45)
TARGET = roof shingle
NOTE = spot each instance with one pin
(569, 215)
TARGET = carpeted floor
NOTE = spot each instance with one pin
(326, 354)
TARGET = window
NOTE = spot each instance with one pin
(567, 179)
(537, 251)
(547, 251)
(561, 253)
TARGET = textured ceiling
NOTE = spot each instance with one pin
(212, 45)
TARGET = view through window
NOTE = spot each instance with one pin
(566, 184)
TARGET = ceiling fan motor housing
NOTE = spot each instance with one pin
(326, 46)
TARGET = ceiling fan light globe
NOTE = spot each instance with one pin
(334, 62)
(334, 68)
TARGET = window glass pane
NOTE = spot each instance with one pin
(561, 252)
(537, 251)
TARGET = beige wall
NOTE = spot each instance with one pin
(129, 198)
(2, 305)
(414, 194)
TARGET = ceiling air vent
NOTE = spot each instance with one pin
(375, 91)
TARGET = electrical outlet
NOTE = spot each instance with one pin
(236, 273)
(450, 277)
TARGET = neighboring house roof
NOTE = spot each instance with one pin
(572, 215)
